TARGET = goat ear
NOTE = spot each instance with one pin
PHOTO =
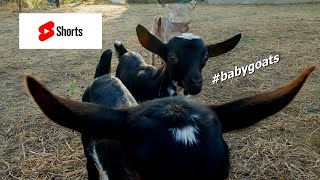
(223, 47)
(104, 65)
(150, 42)
(83, 117)
(248, 111)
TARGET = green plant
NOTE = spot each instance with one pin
(72, 87)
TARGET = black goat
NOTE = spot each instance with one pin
(184, 55)
(109, 91)
(168, 138)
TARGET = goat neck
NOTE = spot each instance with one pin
(167, 86)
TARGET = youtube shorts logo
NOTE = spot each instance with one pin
(60, 31)
(46, 31)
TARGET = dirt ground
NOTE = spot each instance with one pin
(284, 146)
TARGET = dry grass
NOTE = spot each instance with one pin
(285, 146)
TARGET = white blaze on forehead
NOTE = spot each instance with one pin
(185, 135)
(188, 36)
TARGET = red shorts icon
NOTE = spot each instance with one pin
(46, 31)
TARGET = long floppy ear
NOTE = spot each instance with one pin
(150, 42)
(248, 111)
(223, 47)
(83, 117)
